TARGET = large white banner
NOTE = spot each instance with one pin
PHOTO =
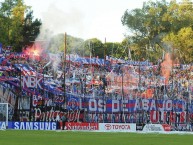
(117, 127)
(157, 127)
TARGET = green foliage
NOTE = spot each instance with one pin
(155, 21)
(113, 49)
(74, 45)
(16, 24)
(17, 19)
(182, 43)
(5, 23)
(152, 28)
(31, 28)
(91, 47)
(94, 47)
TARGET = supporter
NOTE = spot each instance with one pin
(64, 120)
(57, 119)
(82, 81)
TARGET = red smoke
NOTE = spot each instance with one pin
(166, 67)
(34, 51)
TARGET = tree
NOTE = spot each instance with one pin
(5, 23)
(16, 29)
(74, 45)
(153, 22)
(118, 50)
(182, 43)
(17, 19)
(179, 15)
(94, 47)
(31, 28)
(149, 25)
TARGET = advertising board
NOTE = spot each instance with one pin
(82, 126)
(156, 127)
(117, 127)
(32, 125)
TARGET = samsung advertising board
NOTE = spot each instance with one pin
(32, 125)
(2, 125)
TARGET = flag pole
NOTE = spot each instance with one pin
(64, 69)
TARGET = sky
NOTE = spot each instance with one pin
(84, 18)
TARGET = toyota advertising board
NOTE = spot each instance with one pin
(117, 127)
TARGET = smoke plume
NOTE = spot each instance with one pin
(166, 67)
(58, 21)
